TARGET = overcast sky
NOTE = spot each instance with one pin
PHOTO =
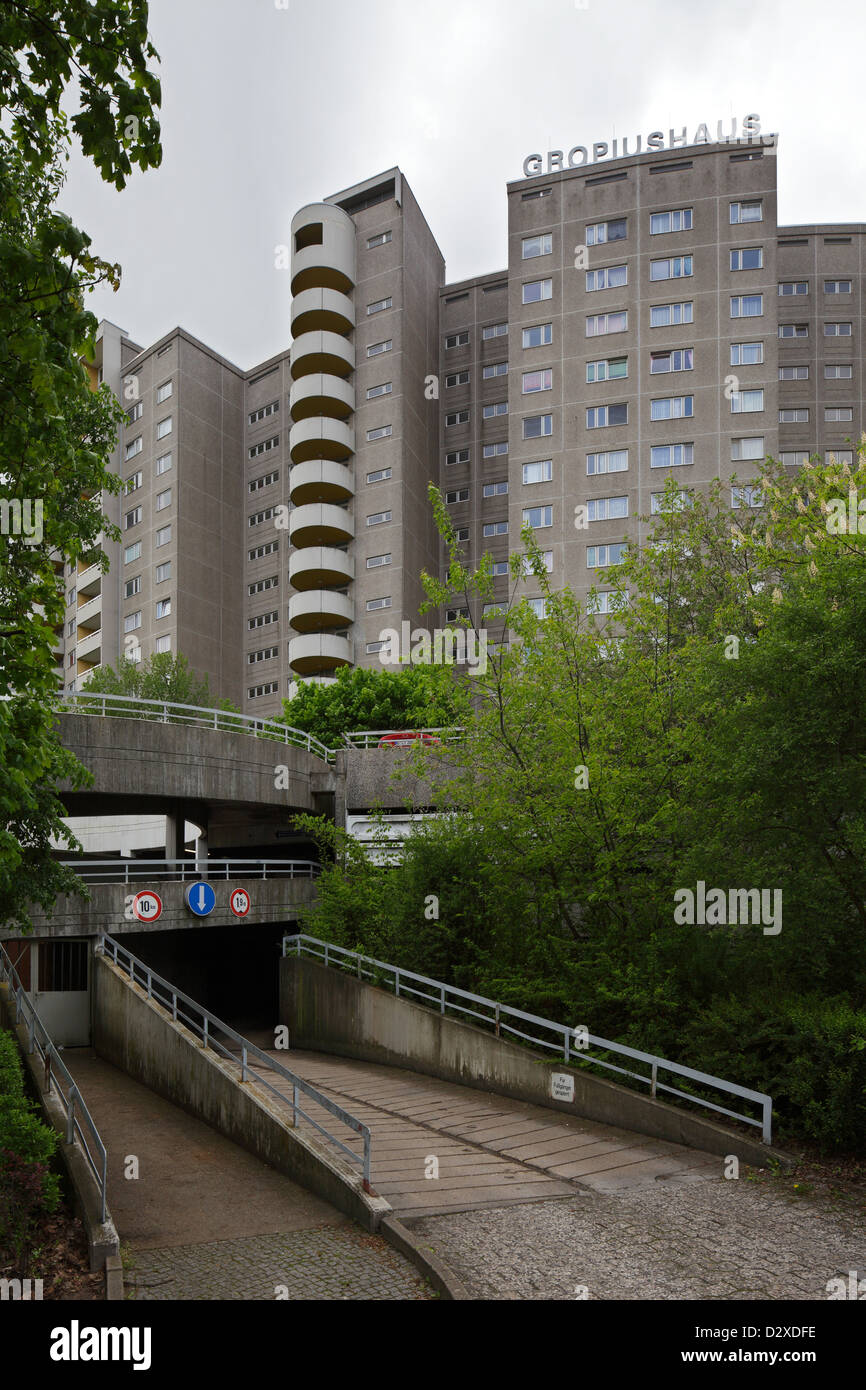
(271, 104)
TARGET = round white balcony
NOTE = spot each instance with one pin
(327, 311)
(320, 567)
(320, 480)
(321, 394)
(319, 523)
(322, 352)
(319, 653)
(319, 609)
(321, 438)
(323, 249)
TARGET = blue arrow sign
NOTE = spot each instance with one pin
(200, 899)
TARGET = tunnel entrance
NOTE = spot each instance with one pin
(232, 971)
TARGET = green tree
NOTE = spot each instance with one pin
(417, 697)
(162, 676)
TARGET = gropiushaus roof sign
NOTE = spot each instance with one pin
(708, 133)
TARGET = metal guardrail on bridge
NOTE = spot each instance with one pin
(95, 871)
(142, 975)
(57, 1076)
(573, 1043)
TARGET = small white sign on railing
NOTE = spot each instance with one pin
(561, 1086)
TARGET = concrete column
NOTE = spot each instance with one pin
(174, 832)
(201, 853)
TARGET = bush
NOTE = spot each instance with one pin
(27, 1186)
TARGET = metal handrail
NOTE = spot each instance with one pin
(573, 1040)
(211, 1025)
(364, 738)
(187, 870)
(170, 712)
(55, 1073)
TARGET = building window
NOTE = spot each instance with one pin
(837, 330)
(380, 239)
(837, 286)
(752, 448)
(536, 246)
(163, 392)
(263, 654)
(611, 461)
(541, 472)
(457, 379)
(265, 480)
(838, 414)
(381, 432)
(788, 287)
(459, 494)
(677, 360)
(375, 348)
(254, 691)
(607, 508)
(132, 484)
(164, 427)
(598, 324)
(457, 456)
(793, 330)
(462, 533)
(495, 451)
(747, 306)
(747, 354)
(380, 305)
(373, 604)
(163, 608)
(746, 402)
(665, 315)
(838, 371)
(495, 528)
(132, 587)
(134, 413)
(538, 517)
(539, 335)
(70, 597)
(746, 496)
(607, 278)
(261, 586)
(134, 447)
(494, 369)
(672, 268)
(163, 464)
(600, 232)
(600, 556)
(132, 518)
(256, 518)
(263, 620)
(598, 416)
(163, 535)
(264, 412)
(672, 407)
(607, 369)
(609, 600)
(794, 458)
(163, 644)
(380, 475)
(840, 455)
(453, 615)
(70, 628)
(747, 258)
(494, 330)
(679, 220)
(384, 390)
(455, 340)
(537, 426)
(794, 373)
(668, 502)
(374, 561)
(261, 550)
(132, 552)
(163, 500)
(489, 412)
(495, 489)
(547, 557)
(378, 518)
(535, 290)
(794, 416)
(132, 621)
(671, 455)
(263, 448)
(750, 211)
(457, 417)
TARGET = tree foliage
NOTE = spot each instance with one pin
(417, 697)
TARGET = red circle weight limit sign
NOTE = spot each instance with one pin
(239, 902)
(147, 906)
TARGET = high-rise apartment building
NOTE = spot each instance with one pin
(653, 321)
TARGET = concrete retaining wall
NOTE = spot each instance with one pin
(329, 1011)
(137, 1035)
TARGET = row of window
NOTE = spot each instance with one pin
(133, 518)
(135, 446)
(133, 620)
(671, 220)
(136, 480)
(136, 411)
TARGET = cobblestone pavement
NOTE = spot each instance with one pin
(712, 1240)
(324, 1263)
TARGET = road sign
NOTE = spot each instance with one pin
(200, 898)
(147, 906)
(239, 902)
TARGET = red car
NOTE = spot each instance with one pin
(406, 739)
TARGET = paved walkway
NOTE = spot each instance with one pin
(439, 1147)
(206, 1219)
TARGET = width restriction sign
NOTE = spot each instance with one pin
(147, 906)
(239, 902)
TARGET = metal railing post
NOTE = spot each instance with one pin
(655, 1077)
(204, 1031)
(366, 1181)
(567, 1047)
(31, 1031)
(104, 1182)
(295, 1106)
(174, 1006)
(149, 984)
(244, 1062)
(442, 1009)
(326, 954)
(767, 1126)
(397, 982)
(70, 1116)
